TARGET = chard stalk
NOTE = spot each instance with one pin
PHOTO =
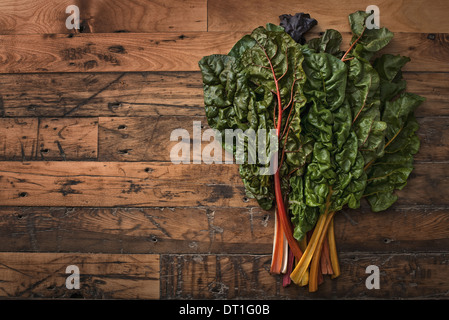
(314, 268)
(333, 251)
(282, 212)
(315, 243)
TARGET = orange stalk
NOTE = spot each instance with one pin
(352, 46)
(333, 251)
(325, 262)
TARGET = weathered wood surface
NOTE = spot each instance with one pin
(85, 171)
(399, 16)
(103, 16)
(208, 229)
(145, 138)
(170, 51)
(103, 276)
(143, 94)
(142, 184)
(245, 276)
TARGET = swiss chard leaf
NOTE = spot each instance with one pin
(368, 41)
(230, 104)
(329, 42)
(391, 171)
(334, 177)
(389, 68)
(239, 94)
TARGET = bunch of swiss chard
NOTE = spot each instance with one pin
(344, 123)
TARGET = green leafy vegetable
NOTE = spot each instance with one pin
(344, 129)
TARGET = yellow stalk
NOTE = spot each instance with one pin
(314, 268)
(305, 279)
(303, 264)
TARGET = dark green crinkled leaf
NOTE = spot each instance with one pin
(363, 94)
(335, 171)
(329, 42)
(351, 132)
(238, 94)
(389, 69)
(371, 40)
(391, 171)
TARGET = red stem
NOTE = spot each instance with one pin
(352, 46)
(283, 216)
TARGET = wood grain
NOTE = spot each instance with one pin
(136, 230)
(123, 52)
(102, 16)
(200, 230)
(143, 184)
(402, 276)
(67, 139)
(110, 52)
(18, 138)
(398, 16)
(144, 139)
(148, 139)
(109, 184)
(49, 138)
(142, 94)
(101, 94)
(102, 276)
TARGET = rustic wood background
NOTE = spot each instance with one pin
(86, 177)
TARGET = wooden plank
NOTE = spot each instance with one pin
(141, 139)
(402, 276)
(109, 184)
(101, 94)
(433, 134)
(398, 16)
(18, 138)
(169, 51)
(107, 52)
(43, 16)
(144, 184)
(49, 138)
(144, 138)
(199, 230)
(136, 230)
(398, 229)
(101, 276)
(145, 94)
(434, 87)
(68, 139)
(148, 139)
